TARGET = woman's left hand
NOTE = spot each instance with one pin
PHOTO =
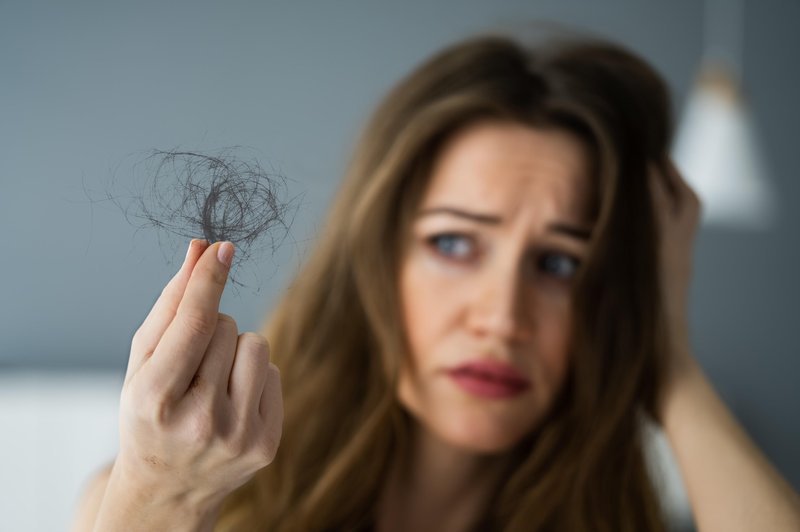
(678, 213)
(731, 485)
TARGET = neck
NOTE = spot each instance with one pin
(438, 487)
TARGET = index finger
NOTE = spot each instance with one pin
(152, 328)
(180, 350)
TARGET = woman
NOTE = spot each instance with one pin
(498, 297)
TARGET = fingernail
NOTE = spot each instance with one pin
(225, 254)
(188, 251)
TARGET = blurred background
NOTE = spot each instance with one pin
(85, 86)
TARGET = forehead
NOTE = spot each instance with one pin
(502, 167)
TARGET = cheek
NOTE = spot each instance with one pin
(429, 304)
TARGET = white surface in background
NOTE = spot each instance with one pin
(58, 429)
(717, 152)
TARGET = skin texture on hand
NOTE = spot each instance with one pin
(201, 407)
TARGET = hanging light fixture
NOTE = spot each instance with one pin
(716, 146)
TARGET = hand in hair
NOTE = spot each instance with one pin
(678, 212)
(201, 408)
(730, 483)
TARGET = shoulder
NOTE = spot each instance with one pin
(90, 499)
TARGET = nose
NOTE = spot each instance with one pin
(498, 308)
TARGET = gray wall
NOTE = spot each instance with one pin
(83, 85)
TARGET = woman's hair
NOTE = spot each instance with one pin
(337, 333)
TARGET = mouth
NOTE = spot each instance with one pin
(489, 379)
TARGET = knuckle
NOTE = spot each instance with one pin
(155, 408)
(269, 447)
(215, 274)
(219, 277)
(142, 347)
(199, 323)
(137, 335)
(168, 289)
(136, 340)
(141, 338)
(202, 427)
(254, 342)
(236, 445)
(226, 321)
(160, 412)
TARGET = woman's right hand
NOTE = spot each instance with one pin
(201, 408)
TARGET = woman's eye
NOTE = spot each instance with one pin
(452, 245)
(558, 265)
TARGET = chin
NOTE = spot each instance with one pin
(468, 427)
(477, 436)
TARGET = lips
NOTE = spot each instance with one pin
(489, 379)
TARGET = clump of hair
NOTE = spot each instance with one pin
(218, 197)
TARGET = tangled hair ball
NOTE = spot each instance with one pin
(221, 196)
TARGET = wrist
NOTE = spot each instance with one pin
(131, 504)
(160, 484)
(683, 380)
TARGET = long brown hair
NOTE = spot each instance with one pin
(337, 337)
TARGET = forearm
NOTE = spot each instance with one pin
(132, 509)
(730, 483)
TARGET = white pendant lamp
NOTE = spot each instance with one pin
(716, 147)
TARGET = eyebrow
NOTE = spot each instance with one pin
(579, 233)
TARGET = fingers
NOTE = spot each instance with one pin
(689, 201)
(178, 354)
(249, 373)
(215, 369)
(160, 316)
(671, 193)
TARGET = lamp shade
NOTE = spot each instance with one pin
(716, 149)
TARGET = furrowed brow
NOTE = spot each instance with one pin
(578, 233)
(460, 213)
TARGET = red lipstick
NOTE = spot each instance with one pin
(489, 379)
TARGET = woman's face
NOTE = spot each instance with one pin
(485, 283)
